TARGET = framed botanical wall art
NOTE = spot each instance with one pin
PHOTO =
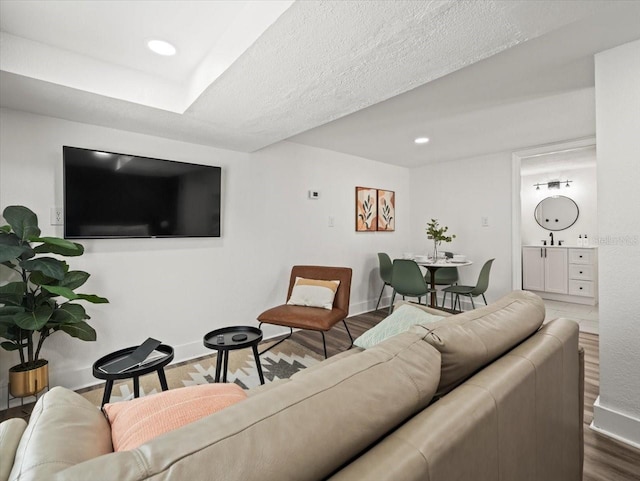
(386, 210)
(366, 209)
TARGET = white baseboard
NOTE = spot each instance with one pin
(616, 425)
(82, 377)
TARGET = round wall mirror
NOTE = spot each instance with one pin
(556, 213)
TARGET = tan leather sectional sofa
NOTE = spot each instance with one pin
(483, 395)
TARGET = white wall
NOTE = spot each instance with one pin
(176, 290)
(583, 191)
(459, 194)
(617, 411)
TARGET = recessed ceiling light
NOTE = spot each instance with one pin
(421, 140)
(161, 47)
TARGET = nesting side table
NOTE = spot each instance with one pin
(135, 372)
(229, 339)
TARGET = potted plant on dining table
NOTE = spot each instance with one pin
(37, 297)
(438, 234)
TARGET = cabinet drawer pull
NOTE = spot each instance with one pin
(580, 257)
(580, 272)
(581, 288)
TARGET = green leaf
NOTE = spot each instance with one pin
(93, 298)
(47, 265)
(10, 253)
(5, 228)
(74, 279)
(23, 221)
(72, 296)
(38, 278)
(13, 334)
(9, 239)
(81, 330)
(61, 291)
(69, 314)
(9, 346)
(34, 321)
(12, 240)
(12, 293)
(8, 328)
(59, 246)
(9, 311)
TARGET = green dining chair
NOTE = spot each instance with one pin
(445, 276)
(407, 280)
(472, 291)
(386, 267)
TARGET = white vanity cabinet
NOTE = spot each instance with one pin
(561, 273)
(545, 269)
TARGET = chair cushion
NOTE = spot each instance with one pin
(301, 317)
(313, 293)
(64, 429)
(399, 321)
(137, 421)
(10, 434)
(469, 341)
(459, 289)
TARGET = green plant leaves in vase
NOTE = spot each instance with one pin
(438, 234)
(40, 302)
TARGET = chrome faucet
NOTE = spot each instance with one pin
(551, 235)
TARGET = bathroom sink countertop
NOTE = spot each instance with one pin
(563, 245)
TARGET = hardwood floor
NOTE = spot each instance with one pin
(605, 459)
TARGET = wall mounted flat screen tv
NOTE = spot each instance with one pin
(110, 195)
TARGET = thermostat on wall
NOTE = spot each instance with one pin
(314, 194)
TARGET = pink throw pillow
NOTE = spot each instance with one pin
(137, 421)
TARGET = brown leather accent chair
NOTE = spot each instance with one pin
(313, 318)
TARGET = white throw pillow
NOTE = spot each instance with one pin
(313, 293)
(399, 321)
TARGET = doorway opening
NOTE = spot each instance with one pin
(553, 173)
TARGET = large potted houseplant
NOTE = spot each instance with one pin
(37, 297)
(438, 234)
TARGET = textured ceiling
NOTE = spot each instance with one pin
(537, 92)
(331, 71)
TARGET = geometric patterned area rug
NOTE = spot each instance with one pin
(280, 362)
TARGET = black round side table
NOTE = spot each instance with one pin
(135, 372)
(229, 339)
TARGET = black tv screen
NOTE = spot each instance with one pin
(110, 195)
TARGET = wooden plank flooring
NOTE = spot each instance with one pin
(605, 459)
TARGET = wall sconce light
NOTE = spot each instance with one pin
(553, 184)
